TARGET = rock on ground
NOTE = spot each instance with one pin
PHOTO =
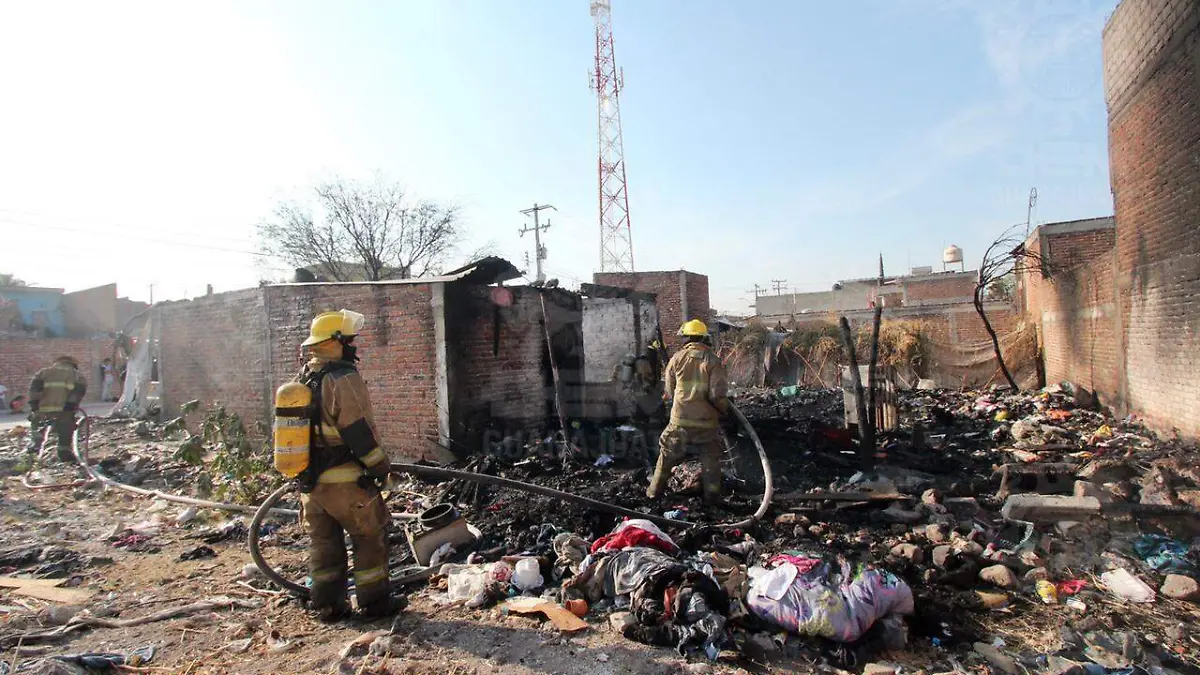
(909, 552)
(1180, 587)
(998, 575)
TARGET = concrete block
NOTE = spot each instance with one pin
(1049, 508)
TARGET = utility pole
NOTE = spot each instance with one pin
(539, 251)
(152, 295)
(758, 290)
(778, 284)
(1029, 210)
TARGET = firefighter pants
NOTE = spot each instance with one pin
(62, 422)
(672, 448)
(329, 510)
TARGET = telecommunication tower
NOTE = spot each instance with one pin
(616, 237)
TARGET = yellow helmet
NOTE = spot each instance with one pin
(694, 328)
(330, 325)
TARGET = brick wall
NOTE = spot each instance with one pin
(396, 347)
(20, 358)
(499, 366)
(1074, 307)
(1152, 86)
(670, 289)
(237, 348)
(932, 290)
(215, 350)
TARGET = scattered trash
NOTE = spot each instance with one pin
(603, 460)
(110, 661)
(527, 575)
(1164, 554)
(198, 553)
(799, 601)
(1126, 586)
(1047, 592)
(560, 616)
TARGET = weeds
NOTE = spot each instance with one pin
(240, 468)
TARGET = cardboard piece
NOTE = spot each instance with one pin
(45, 589)
(560, 616)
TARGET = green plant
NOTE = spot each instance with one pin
(241, 467)
(191, 451)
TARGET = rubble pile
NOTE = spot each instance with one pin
(1015, 533)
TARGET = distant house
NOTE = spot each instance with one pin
(32, 311)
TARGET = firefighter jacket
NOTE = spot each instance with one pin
(695, 379)
(346, 431)
(57, 388)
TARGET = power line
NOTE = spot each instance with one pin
(35, 217)
(778, 284)
(167, 242)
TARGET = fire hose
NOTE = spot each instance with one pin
(430, 472)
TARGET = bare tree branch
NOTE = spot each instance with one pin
(1003, 260)
(363, 231)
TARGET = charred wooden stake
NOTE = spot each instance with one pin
(856, 379)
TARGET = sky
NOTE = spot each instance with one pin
(143, 142)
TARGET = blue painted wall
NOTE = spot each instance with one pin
(44, 305)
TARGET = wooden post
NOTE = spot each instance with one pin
(873, 424)
(856, 379)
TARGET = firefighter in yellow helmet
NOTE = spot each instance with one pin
(347, 468)
(695, 381)
(54, 395)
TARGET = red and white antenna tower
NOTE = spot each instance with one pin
(616, 237)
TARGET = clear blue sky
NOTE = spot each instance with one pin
(764, 140)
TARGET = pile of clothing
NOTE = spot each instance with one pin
(810, 596)
(673, 602)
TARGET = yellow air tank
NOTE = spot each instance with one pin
(292, 428)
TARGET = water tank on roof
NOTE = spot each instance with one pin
(952, 254)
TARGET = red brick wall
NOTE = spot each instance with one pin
(396, 347)
(666, 287)
(1152, 81)
(1076, 248)
(1074, 309)
(222, 348)
(214, 350)
(20, 358)
(949, 287)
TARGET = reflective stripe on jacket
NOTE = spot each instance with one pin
(695, 379)
(55, 386)
(346, 415)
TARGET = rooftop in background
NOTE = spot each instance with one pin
(489, 270)
(1084, 225)
(34, 289)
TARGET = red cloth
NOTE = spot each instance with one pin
(629, 537)
(805, 565)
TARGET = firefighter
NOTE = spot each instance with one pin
(345, 475)
(54, 395)
(695, 380)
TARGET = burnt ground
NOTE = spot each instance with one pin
(69, 533)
